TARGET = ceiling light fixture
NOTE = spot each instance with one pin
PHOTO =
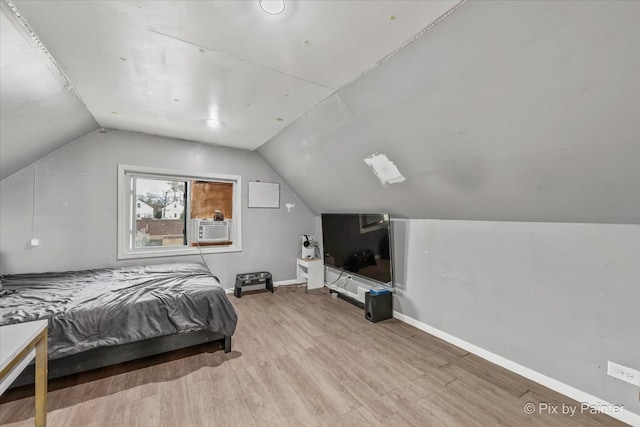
(272, 7)
(214, 123)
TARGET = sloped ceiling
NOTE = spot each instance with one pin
(221, 72)
(521, 111)
(38, 114)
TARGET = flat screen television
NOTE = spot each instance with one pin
(359, 244)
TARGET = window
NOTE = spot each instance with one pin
(164, 212)
(160, 228)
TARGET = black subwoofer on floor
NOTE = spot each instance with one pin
(378, 307)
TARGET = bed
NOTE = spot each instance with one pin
(106, 316)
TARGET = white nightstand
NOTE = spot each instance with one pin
(311, 270)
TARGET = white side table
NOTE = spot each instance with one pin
(311, 269)
(19, 344)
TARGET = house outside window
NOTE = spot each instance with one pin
(160, 211)
(159, 193)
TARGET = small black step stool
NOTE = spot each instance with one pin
(246, 279)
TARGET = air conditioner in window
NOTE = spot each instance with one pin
(209, 231)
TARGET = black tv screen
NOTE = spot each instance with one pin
(359, 244)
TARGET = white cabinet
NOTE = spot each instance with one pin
(310, 270)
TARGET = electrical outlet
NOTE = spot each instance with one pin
(623, 373)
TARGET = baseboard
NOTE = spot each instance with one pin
(625, 415)
(285, 282)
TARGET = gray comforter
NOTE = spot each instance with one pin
(95, 308)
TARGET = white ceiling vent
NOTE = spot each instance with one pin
(386, 171)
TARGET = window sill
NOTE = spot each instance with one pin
(150, 253)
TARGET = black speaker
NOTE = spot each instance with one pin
(378, 307)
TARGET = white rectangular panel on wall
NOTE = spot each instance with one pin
(264, 194)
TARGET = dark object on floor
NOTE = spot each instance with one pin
(247, 279)
(347, 298)
(378, 307)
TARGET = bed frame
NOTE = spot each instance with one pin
(106, 356)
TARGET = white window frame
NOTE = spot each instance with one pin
(126, 213)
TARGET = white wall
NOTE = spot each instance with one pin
(560, 299)
(76, 207)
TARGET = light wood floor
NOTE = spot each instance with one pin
(300, 360)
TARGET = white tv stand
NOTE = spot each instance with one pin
(311, 270)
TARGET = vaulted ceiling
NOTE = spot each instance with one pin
(38, 112)
(221, 72)
(521, 111)
(506, 111)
